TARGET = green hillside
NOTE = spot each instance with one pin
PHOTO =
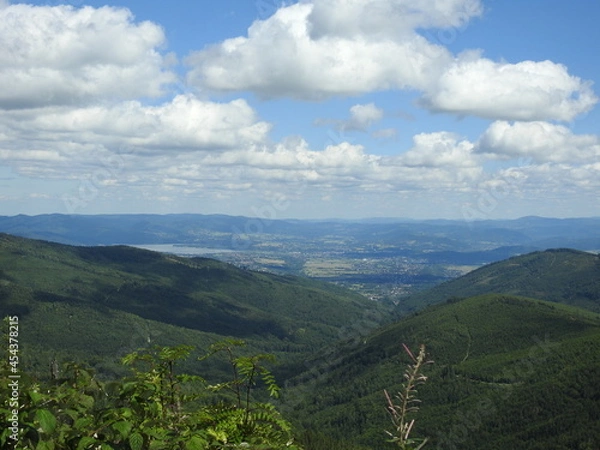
(509, 372)
(98, 303)
(562, 275)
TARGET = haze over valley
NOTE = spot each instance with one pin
(385, 260)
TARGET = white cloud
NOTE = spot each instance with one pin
(362, 117)
(441, 149)
(540, 141)
(524, 91)
(183, 124)
(292, 159)
(438, 169)
(315, 50)
(171, 148)
(76, 110)
(281, 58)
(382, 19)
(559, 178)
(292, 163)
(66, 56)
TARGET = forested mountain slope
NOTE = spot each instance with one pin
(508, 372)
(99, 302)
(558, 275)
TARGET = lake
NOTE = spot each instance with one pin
(182, 249)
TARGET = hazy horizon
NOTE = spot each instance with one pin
(323, 219)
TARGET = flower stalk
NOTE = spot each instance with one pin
(407, 402)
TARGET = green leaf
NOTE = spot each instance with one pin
(158, 445)
(219, 435)
(123, 427)
(82, 423)
(85, 442)
(185, 378)
(196, 443)
(86, 401)
(35, 396)
(73, 415)
(136, 441)
(46, 419)
(126, 412)
(155, 409)
(43, 445)
(129, 359)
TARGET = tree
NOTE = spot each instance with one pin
(152, 409)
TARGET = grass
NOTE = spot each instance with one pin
(329, 267)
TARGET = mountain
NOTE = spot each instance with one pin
(486, 337)
(130, 229)
(508, 372)
(98, 303)
(528, 233)
(560, 275)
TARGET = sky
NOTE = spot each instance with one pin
(421, 109)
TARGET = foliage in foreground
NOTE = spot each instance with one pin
(154, 408)
(407, 403)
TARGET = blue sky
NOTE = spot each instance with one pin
(460, 109)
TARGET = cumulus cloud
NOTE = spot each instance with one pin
(126, 145)
(382, 19)
(189, 146)
(292, 159)
(539, 141)
(524, 91)
(441, 149)
(68, 56)
(362, 117)
(292, 163)
(315, 50)
(183, 124)
(280, 57)
(77, 109)
(557, 178)
(287, 164)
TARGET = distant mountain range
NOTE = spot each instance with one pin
(233, 232)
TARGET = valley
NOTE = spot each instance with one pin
(382, 259)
